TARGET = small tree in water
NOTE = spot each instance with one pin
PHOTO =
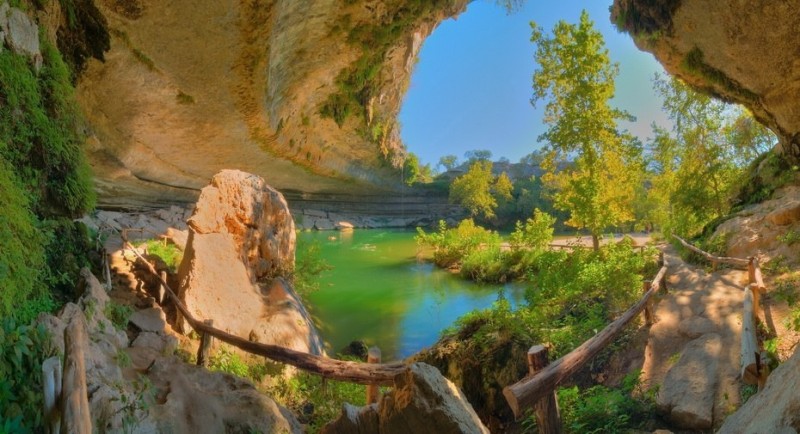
(576, 78)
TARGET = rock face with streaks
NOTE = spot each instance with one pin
(271, 87)
(745, 52)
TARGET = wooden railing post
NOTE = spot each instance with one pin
(648, 307)
(548, 419)
(205, 345)
(51, 382)
(161, 287)
(749, 353)
(751, 269)
(373, 356)
(663, 281)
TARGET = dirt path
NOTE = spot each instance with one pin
(692, 350)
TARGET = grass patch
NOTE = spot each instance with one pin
(169, 253)
(118, 314)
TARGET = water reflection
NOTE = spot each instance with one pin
(379, 293)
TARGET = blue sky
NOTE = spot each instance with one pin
(472, 86)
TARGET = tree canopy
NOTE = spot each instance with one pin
(479, 191)
(576, 79)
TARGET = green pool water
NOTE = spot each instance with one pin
(380, 293)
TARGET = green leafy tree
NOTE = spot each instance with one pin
(411, 169)
(697, 166)
(449, 162)
(478, 155)
(479, 191)
(576, 78)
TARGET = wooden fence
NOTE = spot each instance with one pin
(754, 370)
(537, 390)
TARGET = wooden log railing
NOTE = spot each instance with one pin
(529, 391)
(353, 372)
(754, 370)
(715, 260)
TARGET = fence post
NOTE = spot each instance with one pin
(648, 310)
(751, 269)
(547, 417)
(51, 382)
(205, 345)
(373, 356)
(161, 290)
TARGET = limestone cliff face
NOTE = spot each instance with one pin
(745, 52)
(190, 87)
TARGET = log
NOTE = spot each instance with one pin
(51, 384)
(373, 356)
(75, 400)
(353, 372)
(548, 419)
(205, 345)
(524, 393)
(749, 352)
(739, 262)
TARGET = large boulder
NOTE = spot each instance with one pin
(422, 401)
(255, 216)
(776, 409)
(687, 396)
(241, 239)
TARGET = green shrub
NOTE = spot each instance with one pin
(600, 409)
(450, 246)
(169, 253)
(22, 351)
(118, 314)
(308, 267)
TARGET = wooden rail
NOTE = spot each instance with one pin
(532, 389)
(353, 372)
(753, 369)
(739, 262)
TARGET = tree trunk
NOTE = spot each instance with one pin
(596, 242)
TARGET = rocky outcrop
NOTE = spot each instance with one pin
(254, 215)
(241, 240)
(160, 130)
(144, 388)
(20, 33)
(422, 401)
(776, 408)
(757, 229)
(745, 53)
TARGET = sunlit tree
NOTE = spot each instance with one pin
(576, 79)
(479, 191)
(449, 162)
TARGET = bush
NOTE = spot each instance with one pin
(450, 246)
(600, 409)
(22, 351)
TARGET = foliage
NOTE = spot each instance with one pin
(22, 350)
(535, 234)
(135, 405)
(451, 246)
(790, 237)
(478, 155)
(479, 191)
(697, 167)
(449, 162)
(317, 400)
(43, 174)
(118, 314)
(414, 172)
(169, 253)
(576, 77)
(600, 409)
(309, 265)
